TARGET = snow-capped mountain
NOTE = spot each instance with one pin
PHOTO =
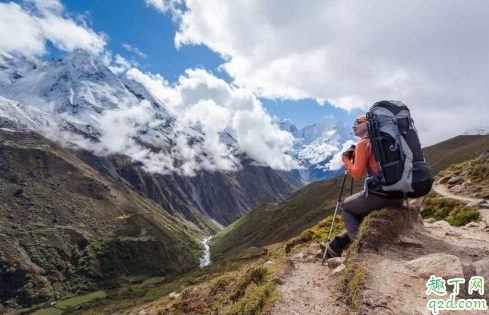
(78, 89)
(317, 144)
(80, 96)
(127, 132)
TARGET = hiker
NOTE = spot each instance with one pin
(354, 208)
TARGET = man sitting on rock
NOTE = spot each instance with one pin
(354, 208)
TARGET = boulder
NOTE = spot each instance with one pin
(335, 262)
(440, 265)
(455, 180)
(484, 213)
(313, 249)
(444, 180)
(339, 269)
(456, 189)
(482, 270)
(173, 295)
(430, 220)
(442, 224)
(472, 225)
(407, 240)
(476, 203)
(319, 254)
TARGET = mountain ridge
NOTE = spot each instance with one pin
(316, 145)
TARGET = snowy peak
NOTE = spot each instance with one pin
(78, 87)
(316, 144)
(287, 125)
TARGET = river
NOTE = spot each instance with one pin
(205, 260)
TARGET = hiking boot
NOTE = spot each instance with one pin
(330, 253)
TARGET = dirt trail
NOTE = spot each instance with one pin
(448, 252)
(308, 289)
(443, 190)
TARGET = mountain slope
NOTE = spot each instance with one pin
(65, 229)
(271, 223)
(79, 102)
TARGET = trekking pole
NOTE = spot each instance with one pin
(334, 215)
(351, 184)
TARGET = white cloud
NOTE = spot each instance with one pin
(165, 6)
(431, 55)
(135, 50)
(26, 29)
(117, 64)
(209, 103)
(336, 161)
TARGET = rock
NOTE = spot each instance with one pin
(173, 295)
(482, 270)
(484, 206)
(484, 214)
(476, 203)
(299, 255)
(269, 263)
(430, 220)
(444, 180)
(319, 254)
(335, 262)
(409, 241)
(482, 225)
(456, 189)
(312, 250)
(440, 264)
(472, 225)
(454, 180)
(442, 224)
(339, 269)
(18, 192)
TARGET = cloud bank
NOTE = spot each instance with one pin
(26, 29)
(431, 55)
(201, 100)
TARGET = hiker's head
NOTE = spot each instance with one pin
(360, 126)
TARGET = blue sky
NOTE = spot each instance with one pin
(153, 33)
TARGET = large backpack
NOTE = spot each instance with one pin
(397, 150)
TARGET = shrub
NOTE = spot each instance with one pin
(453, 211)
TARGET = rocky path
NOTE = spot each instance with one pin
(443, 190)
(398, 273)
(480, 204)
(308, 288)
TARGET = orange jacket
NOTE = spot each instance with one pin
(363, 156)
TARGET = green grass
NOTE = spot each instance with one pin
(453, 211)
(277, 222)
(64, 305)
(246, 292)
(78, 300)
(49, 311)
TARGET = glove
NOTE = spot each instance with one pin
(350, 152)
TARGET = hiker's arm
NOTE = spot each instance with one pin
(359, 166)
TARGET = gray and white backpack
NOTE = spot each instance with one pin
(397, 150)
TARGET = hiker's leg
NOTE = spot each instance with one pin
(355, 207)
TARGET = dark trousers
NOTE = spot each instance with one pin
(353, 209)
